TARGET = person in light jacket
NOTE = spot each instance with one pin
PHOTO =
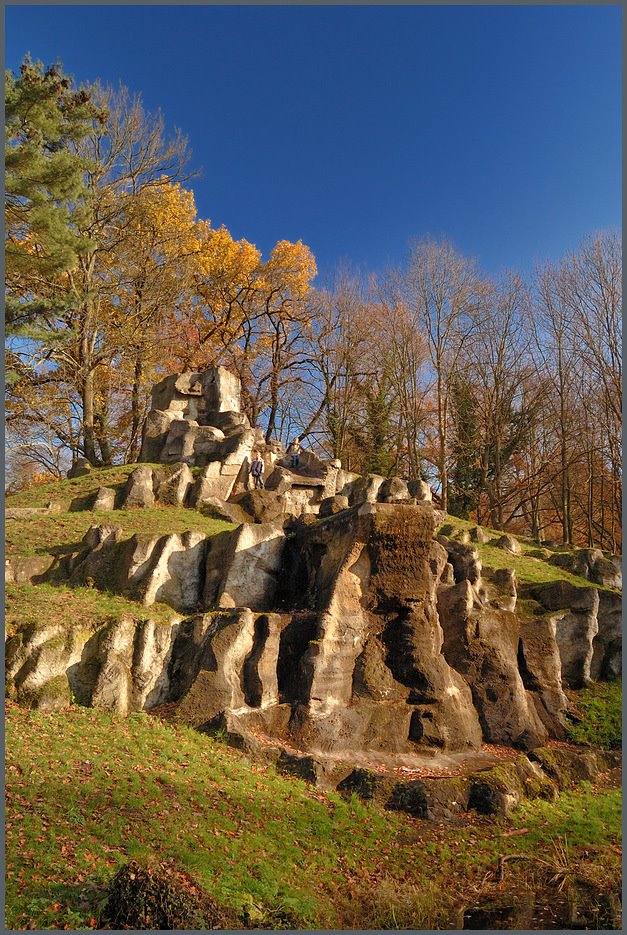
(294, 451)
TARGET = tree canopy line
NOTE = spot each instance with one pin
(504, 394)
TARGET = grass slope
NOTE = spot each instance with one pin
(64, 491)
(82, 607)
(530, 567)
(86, 791)
(58, 534)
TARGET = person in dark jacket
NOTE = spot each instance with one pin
(256, 469)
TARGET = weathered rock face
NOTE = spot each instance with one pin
(140, 488)
(509, 544)
(195, 395)
(210, 655)
(363, 489)
(593, 565)
(540, 668)
(498, 587)
(332, 505)
(606, 660)
(372, 674)
(481, 643)
(27, 569)
(393, 490)
(262, 506)
(575, 618)
(175, 486)
(169, 569)
(196, 419)
(420, 490)
(104, 500)
(252, 567)
(359, 632)
(123, 666)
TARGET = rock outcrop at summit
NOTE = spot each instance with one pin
(196, 420)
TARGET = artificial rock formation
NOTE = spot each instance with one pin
(353, 632)
(196, 421)
(361, 632)
(334, 646)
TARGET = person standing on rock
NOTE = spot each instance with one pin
(294, 451)
(256, 469)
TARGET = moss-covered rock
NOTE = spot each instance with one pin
(564, 766)
(367, 784)
(52, 695)
(499, 790)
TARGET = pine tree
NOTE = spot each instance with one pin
(44, 118)
(464, 475)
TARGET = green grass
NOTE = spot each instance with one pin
(577, 815)
(59, 533)
(529, 569)
(64, 491)
(87, 790)
(598, 715)
(85, 608)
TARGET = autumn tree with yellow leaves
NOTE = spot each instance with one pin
(153, 288)
(247, 314)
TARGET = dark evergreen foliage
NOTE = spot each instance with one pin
(44, 117)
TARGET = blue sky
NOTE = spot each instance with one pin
(356, 129)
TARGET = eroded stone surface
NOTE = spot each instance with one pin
(574, 615)
(606, 660)
(195, 418)
(481, 642)
(122, 666)
(253, 567)
(593, 565)
(139, 489)
(509, 544)
(104, 499)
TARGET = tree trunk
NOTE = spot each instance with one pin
(442, 440)
(565, 490)
(133, 448)
(100, 430)
(274, 406)
(87, 392)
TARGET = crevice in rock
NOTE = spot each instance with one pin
(250, 681)
(397, 638)
(294, 642)
(529, 680)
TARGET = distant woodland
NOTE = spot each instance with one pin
(504, 394)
